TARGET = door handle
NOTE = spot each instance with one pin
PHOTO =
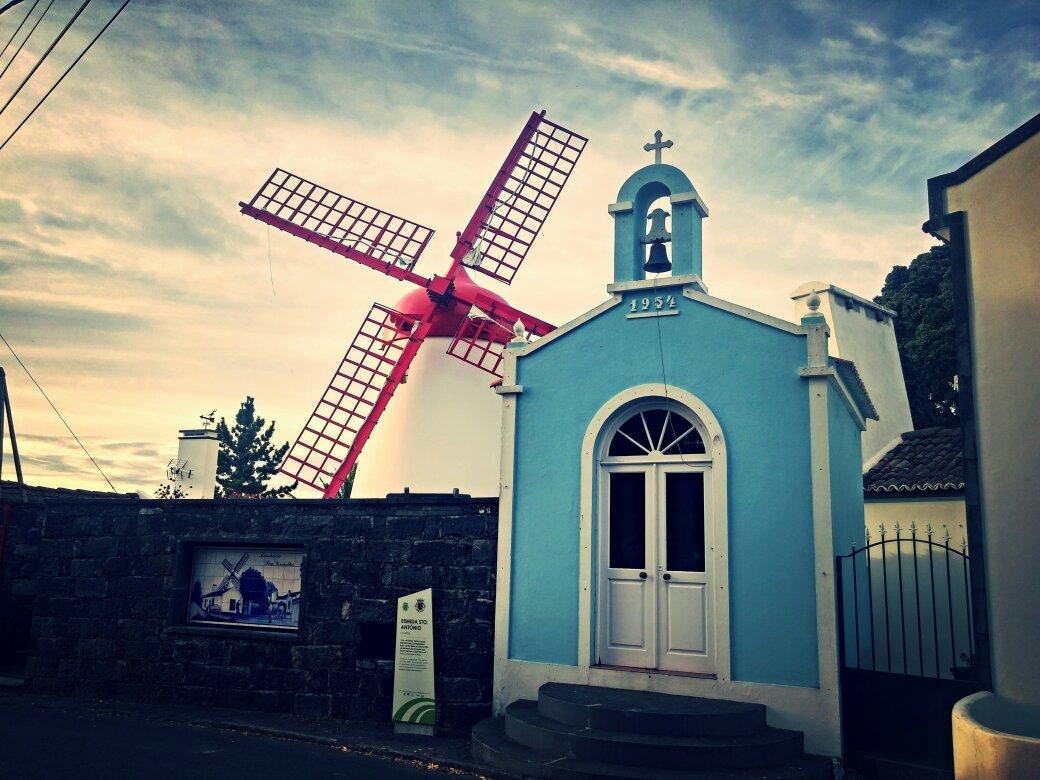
(667, 576)
(642, 575)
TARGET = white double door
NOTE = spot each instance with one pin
(655, 562)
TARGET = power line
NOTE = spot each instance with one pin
(44, 56)
(18, 28)
(55, 408)
(26, 38)
(66, 73)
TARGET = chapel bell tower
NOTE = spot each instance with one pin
(632, 233)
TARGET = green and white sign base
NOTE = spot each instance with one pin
(414, 710)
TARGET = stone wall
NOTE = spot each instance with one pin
(21, 529)
(113, 590)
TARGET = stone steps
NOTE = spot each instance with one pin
(645, 712)
(576, 731)
(491, 747)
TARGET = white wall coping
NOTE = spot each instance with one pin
(824, 287)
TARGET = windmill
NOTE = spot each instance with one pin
(232, 576)
(494, 242)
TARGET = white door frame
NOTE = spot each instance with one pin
(588, 619)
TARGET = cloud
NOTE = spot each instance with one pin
(654, 71)
(868, 32)
(933, 40)
(79, 323)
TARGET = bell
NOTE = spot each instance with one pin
(658, 262)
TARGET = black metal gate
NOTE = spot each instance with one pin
(906, 646)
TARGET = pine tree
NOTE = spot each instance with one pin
(247, 460)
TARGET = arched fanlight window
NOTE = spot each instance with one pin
(656, 431)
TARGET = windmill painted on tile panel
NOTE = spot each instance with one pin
(472, 322)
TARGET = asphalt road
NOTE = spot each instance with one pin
(45, 742)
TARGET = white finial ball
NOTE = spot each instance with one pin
(814, 302)
(518, 330)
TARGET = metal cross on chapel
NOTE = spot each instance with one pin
(657, 146)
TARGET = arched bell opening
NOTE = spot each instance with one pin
(657, 236)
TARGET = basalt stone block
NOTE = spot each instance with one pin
(246, 653)
(317, 657)
(458, 689)
(482, 610)
(266, 701)
(472, 577)
(435, 552)
(103, 547)
(24, 588)
(195, 695)
(405, 527)
(161, 565)
(83, 567)
(45, 626)
(312, 705)
(413, 577)
(373, 610)
(53, 648)
(470, 527)
(383, 551)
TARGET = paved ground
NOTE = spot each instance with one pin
(55, 740)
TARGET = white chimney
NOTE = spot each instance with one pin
(864, 332)
(195, 470)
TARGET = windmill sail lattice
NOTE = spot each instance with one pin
(479, 342)
(349, 408)
(520, 198)
(321, 216)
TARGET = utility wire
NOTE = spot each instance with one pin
(26, 38)
(55, 408)
(44, 56)
(66, 73)
(18, 28)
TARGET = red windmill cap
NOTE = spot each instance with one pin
(446, 319)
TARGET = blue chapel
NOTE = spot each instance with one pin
(678, 471)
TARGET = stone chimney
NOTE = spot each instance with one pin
(195, 470)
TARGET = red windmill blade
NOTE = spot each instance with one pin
(348, 227)
(516, 205)
(375, 363)
(495, 242)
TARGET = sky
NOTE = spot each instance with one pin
(140, 297)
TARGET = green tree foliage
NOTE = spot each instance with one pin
(922, 296)
(348, 483)
(167, 490)
(247, 460)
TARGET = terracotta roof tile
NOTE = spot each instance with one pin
(925, 461)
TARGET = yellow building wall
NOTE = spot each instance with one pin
(940, 513)
(1002, 206)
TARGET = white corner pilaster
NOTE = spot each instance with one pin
(823, 529)
(509, 392)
